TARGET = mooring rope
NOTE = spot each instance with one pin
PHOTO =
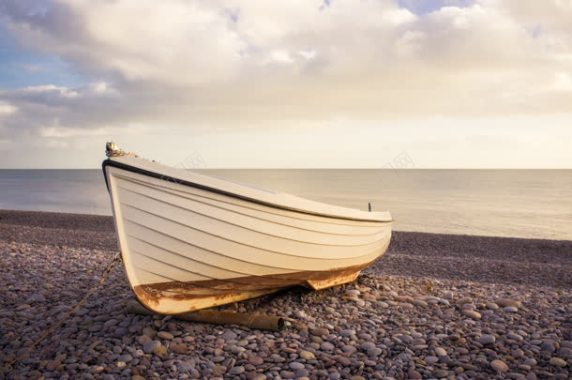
(103, 277)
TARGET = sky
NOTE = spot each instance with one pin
(291, 84)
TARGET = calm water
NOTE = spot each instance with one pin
(521, 203)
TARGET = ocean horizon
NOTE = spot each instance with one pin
(522, 203)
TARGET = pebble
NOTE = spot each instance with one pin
(150, 346)
(407, 299)
(431, 359)
(514, 336)
(368, 346)
(307, 355)
(413, 374)
(255, 360)
(381, 326)
(343, 360)
(150, 332)
(566, 352)
(374, 352)
(296, 366)
(352, 293)
(320, 331)
(165, 335)
(125, 358)
(548, 346)
(219, 370)
(440, 351)
(36, 297)
(464, 300)
(327, 346)
(492, 306)
(487, 339)
(160, 350)
(178, 348)
(559, 362)
(472, 314)
(504, 302)
(440, 373)
(499, 365)
(218, 359)
(229, 335)
(235, 371)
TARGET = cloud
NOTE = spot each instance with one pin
(7, 109)
(48, 106)
(227, 64)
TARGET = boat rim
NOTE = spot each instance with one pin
(166, 177)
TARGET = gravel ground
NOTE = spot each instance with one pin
(435, 306)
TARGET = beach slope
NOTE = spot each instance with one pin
(433, 306)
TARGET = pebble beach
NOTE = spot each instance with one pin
(434, 306)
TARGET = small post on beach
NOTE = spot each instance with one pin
(369, 206)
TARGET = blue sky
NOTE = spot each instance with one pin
(454, 83)
(422, 7)
(21, 67)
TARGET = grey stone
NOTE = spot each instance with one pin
(296, 366)
(487, 339)
(150, 346)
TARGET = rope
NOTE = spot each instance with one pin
(51, 329)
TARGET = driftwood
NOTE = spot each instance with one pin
(253, 321)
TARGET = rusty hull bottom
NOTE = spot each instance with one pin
(181, 297)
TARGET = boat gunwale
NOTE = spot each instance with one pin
(166, 177)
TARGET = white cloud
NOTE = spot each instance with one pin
(52, 90)
(409, 43)
(102, 89)
(397, 17)
(38, 111)
(226, 64)
(562, 82)
(281, 56)
(308, 54)
(7, 109)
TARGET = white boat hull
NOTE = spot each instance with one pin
(188, 245)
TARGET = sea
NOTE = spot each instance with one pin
(509, 203)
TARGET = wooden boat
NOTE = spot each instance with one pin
(191, 241)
